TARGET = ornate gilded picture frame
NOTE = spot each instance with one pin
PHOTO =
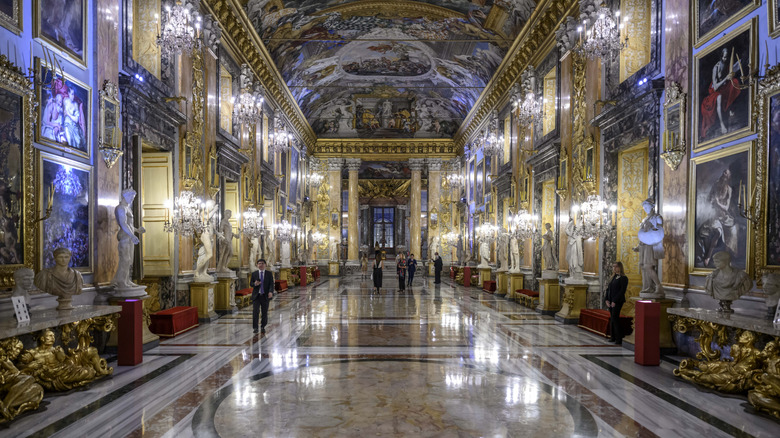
(720, 182)
(722, 106)
(712, 18)
(11, 15)
(17, 199)
(63, 26)
(65, 186)
(766, 202)
(773, 16)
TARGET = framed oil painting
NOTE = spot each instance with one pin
(720, 182)
(64, 112)
(109, 133)
(11, 15)
(711, 18)
(65, 185)
(773, 18)
(294, 176)
(767, 199)
(722, 100)
(17, 202)
(63, 25)
(479, 185)
(471, 181)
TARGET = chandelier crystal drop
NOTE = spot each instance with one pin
(188, 215)
(594, 218)
(180, 31)
(252, 222)
(523, 225)
(603, 39)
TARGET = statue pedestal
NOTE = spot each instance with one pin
(202, 297)
(484, 275)
(549, 296)
(666, 342)
(333, 269)
(304, 277)
(515, 283)
(284, 275)
(466, 276)
(150, 340)
(575, 297)
(225, 293)
(501, 283)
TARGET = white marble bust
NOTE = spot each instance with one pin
(726, 283)
(60, 280)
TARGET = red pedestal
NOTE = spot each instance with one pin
(303, 276)
(466, 276)
(647, 349)
(130, 344)
(452, 272)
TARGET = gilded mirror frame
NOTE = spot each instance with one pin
(12, 80)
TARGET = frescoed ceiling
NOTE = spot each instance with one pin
(387, 69)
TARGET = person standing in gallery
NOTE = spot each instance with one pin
(400, 267)
(262, 291)
(411, 266)
(615, 297)
(379, 264)
(363, 267)
(438, 265)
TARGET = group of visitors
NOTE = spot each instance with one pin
(406, 266)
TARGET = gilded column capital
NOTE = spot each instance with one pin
(434, 164)
(416, 164)
(335, 164)
(353, 164)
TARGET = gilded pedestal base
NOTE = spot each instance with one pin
(484, 275)
(515, 282)
(202, 297)
(549, 297)
(285, 275)
(225, 295)
(574, 300)
(501, 280)
(333, 269)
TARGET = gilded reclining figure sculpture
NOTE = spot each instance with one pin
(18, 392)
(736, 376)
(766, 394)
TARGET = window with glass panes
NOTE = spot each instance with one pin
(384, 218)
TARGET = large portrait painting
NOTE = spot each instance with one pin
(711, 18)
(65, 186)
(64, 111)
(293, 195)
(773, 185)
(723, 97)
(63, 24)
(774, 18)
(11, 178)
(11, 15)
(479, 184)
(722, 181)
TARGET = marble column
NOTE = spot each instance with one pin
(353, 166)
(334, 181)
(415, 231)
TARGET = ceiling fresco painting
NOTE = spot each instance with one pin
(387, 69)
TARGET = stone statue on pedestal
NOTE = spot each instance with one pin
(333, 250)
(484, 254)
(270, 249)
(433, 248)
(459, 250)
(312, 250)
(651, 249)
(206, 251)
(254, 253)
(127, 240)
(574, 255)
(225, 238)
(514, 252)
(60, 280)
(286, 254)
(726, 283)
(503, 252)
(548, 255)
(772, 290)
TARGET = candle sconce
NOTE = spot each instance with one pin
(562, 190)
(674, 126)
(749, 211)
(110, 137)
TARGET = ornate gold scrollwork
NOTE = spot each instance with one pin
(194, 139)
(18, 392)
(766, 394)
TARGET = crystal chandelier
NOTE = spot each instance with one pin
(316, 175)
(450, 239)
(286, 231)
(523, 225)
(253, 223)
(493, 144)
(603, 39)
(279, 140)
(594, 218)
(248, 106)
(487, 232)
(188, 215)
(318, 238)
(529, 109)
(181, 28)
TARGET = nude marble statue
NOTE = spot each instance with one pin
(127, 240)
(650, 249)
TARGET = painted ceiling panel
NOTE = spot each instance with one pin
(387, 69)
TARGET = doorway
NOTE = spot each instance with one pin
(384, 228)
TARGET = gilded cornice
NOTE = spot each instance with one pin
(391, 9)
(541, 26)
(239, 31)
(385, 149)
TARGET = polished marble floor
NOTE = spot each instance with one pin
(340, 360)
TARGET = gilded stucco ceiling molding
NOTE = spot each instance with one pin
(391, 9)
(394, 149)
(239, 31)
(541, 26)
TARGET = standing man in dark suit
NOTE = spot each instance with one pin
(411, 267)
(262, 291)
(438, 265)
(614, 299)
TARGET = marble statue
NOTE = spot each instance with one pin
(24, 282)
(60, 280)
(18, 392)
(433, 248)
(270, 250)
(56, 371)
(772, 291)
(225, 238)
(651, 249)
(503, 252)
(254, 253)
(127, 240)
(206, 251)
(286, 254)
(514, 252)
(459, 250)
(548, 255)
(726, 283)
(333, 250)
(301, 250)
(484, 254)
(574, 255)
(312, 252)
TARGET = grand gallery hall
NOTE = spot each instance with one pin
(393, 218)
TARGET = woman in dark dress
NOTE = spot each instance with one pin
(379, 264)
(401, 270)
(615, 297)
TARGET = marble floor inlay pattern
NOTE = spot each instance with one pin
(341, 360)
